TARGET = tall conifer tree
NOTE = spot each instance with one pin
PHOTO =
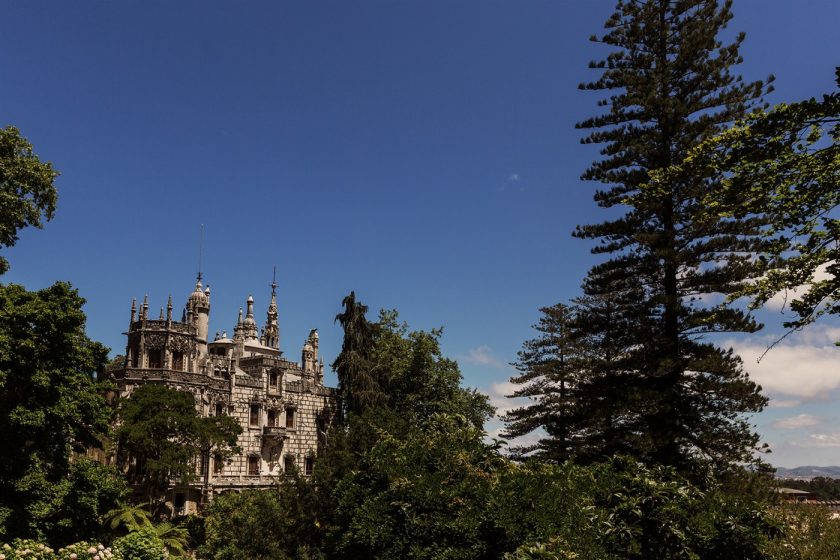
(551, 368)
(670, 86)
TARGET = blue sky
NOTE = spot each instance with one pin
(421, 153)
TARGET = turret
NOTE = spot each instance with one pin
(309, 354)
(249, 325)
(198, 312)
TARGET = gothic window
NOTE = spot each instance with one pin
(220, 409)
(272, 418)
(255, 415)
(272, 380)
(218, 464)
(309, 466)
(289, 463)
(155, 358)
(253, 466)
(290, 417)
(178, 360)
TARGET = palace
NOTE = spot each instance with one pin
(283, 406)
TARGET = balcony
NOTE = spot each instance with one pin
(274, 432)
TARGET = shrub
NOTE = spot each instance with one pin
(140, 545)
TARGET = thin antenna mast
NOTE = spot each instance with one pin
(200, 248)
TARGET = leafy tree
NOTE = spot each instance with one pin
(27, 193)
(806, 532)
(161, 434)
(272, 524)
(82, 500)
(418, 380)
(51, 405)
(420, 496)
(140, 545)
(670, 87)
(783, 166)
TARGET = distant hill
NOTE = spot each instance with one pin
(807, 473)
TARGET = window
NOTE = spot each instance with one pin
(155, 360)
(218, 464)
(253, 466)
(289, 463)
(272, 380)
(290, 417)
(272, 418)
(178, 360)
(309, 466)
(220, 409)
(255, 415)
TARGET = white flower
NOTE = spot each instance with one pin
(73, 556)
(92, 550)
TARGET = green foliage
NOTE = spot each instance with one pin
(422, 496)
(50, 405)
(669, 86)
(554, 549)
(126, 518)
(161, 433)
(27, 549)
(27, 193)
(807, 533)
(418, 380)
(358, 383)
(784, 167)
(90, 490)
(263, 524)
(140, 545)
(552, 372)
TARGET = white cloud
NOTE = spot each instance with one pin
(805, 366)
(794, 422)
(819, 440)
(514, 178)
(498, 395)
(784, 403)
(483, 356)
(781, 300)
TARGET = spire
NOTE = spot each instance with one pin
(271, 336)
(144, 313)
(160, 317)
(238, 329)
(133, 309)
(169, 308)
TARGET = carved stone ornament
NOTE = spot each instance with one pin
(155, 341)
(181, 344)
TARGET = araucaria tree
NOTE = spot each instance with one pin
(670, 86)
(551, 367)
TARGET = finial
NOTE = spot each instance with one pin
(274, 281)
(160, 317)
(239, 322)
(169, 308)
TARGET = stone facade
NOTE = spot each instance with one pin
(283, 406)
